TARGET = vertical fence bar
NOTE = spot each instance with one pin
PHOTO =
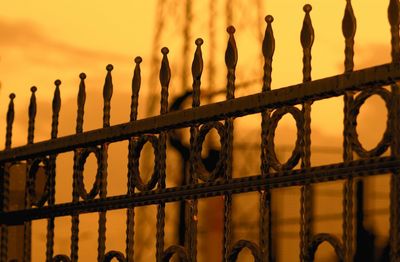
(5, 179)
(31, 129)
(191, 220)
(107, 94)
(349, 26)
(75, 194)
(165, 77)
(268, 48)
(130, 222)
(394, 19)
(52, 171)
(307, 39)
(231, 57)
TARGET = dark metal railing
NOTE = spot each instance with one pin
(355, 86)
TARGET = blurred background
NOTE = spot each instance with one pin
(41, 42)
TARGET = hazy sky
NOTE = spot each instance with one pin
(43, 42)
(48, 40)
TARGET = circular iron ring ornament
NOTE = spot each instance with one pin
(82, 155)
(33, 169)
(240, 245)
(114, 254)
(137, 147)
(217, 172)
(175, 249)
(355, 110)
(296, 154)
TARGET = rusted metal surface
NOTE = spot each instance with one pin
(355, 86)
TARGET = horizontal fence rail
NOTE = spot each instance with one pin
(311, 91)
(356, 87)
(357, 168)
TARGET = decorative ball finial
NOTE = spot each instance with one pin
(231, 29)
(82, 76)
(57, 82)
(199, 41)
(33, 89)
(12, 96)
(109, 67)
(164, 50)
(307, 8)
(269, 19)
(138, 60)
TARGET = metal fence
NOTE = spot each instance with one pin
(355, 86)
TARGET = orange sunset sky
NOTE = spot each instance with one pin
(41, 41)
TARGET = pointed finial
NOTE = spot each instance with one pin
(107, 94)
(268, 49)
(231, 58)
(197, 70)
(165, 76)
(231, 54)
(56, 109)
(136, 81)
(10, 121)
(32, 115)
(394, 19)
(307, 31)
(81, 103)
(307, 40)
(349, 26)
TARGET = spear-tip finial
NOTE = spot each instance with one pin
(307, 8)
(109, 67)
(82, 76)
(307, 31)
(231, 54)
(164, 50)
(199, 41)
(269, 19)
(138, 60)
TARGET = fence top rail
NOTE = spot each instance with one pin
(309, 91)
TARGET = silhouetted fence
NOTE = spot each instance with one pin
(355, 86)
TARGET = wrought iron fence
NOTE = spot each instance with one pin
(355, 86)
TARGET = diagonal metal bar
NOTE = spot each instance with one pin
(315, 90)
(356, 168)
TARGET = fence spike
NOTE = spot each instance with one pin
(56, 109)
(32, 115)
(10, 121)
(165, 77)
(197, 70)
(268, 49)
(307, 40)
(107, 94)
(394, 19)
(136, 81)
(81, 103)
(231, 58)
(349, 26)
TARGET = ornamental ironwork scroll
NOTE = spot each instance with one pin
(356, 87)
